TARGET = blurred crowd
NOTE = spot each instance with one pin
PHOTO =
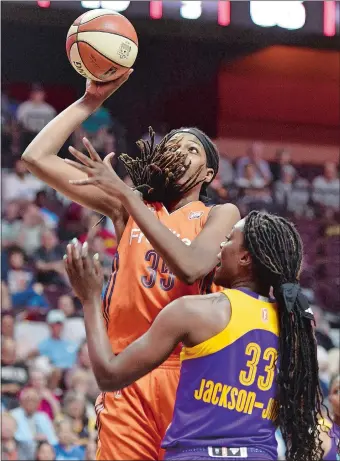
(48, 390)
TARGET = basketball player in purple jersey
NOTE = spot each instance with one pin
(248, 362)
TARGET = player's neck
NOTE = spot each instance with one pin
(336, 420)
(191, 196)
(251, 285)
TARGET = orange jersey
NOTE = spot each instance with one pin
(141, 283)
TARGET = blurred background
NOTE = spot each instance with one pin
(261, 78)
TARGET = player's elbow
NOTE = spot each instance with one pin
(190, 275)
(28, 158)
(107, 383)
(106, 386)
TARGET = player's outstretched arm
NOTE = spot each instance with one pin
(41, 155)
(189, 263)
(147, 353)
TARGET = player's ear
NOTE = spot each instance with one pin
(209, 175)
(245, 259)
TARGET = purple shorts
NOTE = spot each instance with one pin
(202, 454)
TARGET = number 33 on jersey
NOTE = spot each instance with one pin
(141, 283)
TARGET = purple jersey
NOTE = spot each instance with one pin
(226, 393)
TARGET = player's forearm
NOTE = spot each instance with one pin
(180, 258)
(100, 350)
(51, 139)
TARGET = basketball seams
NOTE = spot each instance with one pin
(104, 32)
(90, 73)
(102, 54)
(100, 16)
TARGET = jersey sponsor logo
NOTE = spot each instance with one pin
(224, 452)
(195, 214)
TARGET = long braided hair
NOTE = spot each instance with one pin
(156, 172)
(276, 249)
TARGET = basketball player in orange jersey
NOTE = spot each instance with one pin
(167, 248)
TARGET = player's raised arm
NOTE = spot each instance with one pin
(145, 354)
(41, 156)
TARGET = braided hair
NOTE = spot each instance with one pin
(276, 249)
(156, 172)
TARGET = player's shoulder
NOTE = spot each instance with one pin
(225, 209)
(197, 303)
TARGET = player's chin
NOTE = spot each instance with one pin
(183, 179)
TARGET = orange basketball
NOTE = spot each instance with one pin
(102, 45)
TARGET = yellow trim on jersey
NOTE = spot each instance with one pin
(247, 314)
(325, 425)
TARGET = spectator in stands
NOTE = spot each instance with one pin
(32, 425)
(10, 224)
(45, 452)
(282, 160)
(24, 292)
(249, 179)
(326, 188)
(68, 448)
(7, 325)
(83, 423)
(66, 305)
(253, 190)
(20, 185)
(49, 404)
(51, 219)
(79, 382)
(34, 114)
(61, 352)
(48, 260)
(260, 166)
(11, 448)
(14, 374)
(30, 230)
(19, 276)
(292, 192)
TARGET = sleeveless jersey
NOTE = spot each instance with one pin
(141, 283)
(226, 393)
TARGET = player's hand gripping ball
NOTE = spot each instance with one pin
(102, 45)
